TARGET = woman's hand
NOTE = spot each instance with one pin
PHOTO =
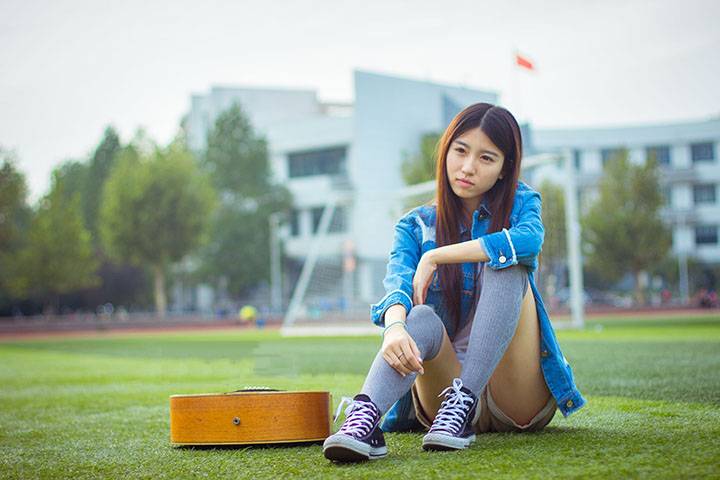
(423, 276)
(400, 351)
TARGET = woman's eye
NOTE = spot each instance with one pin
(460, 150)
(486, 158)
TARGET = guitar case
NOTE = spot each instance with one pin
(252, 416)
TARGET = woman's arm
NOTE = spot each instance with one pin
(395, 314)
(522, 242)
(463, 252)
(404, 257)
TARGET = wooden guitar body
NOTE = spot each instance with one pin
(249, 417)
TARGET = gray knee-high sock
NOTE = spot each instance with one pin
(383, 384)
(496, 319)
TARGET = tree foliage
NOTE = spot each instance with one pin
(121, 284)
(420, 167)
(553, 258)
(237, 160)
(155, 210)
(15, 217)
(623, 229)
(554, 248)
(14, 211)
(57, 256)
(73, 174)
(97, 172)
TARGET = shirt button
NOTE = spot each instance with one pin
(569, 404)
(544, 353)
(502, 259)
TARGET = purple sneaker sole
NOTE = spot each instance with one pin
(442, 442)
(343, 448)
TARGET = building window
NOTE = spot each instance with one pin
(576, 160)
(608, 154)
(328, 161)
(704, 193)
(661, 154)
(702, 152)
(706, 235)
(338, 222)
(295, 223)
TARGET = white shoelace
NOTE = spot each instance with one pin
(359, 417)
(453, 410)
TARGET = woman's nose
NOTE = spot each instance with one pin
(467, 167)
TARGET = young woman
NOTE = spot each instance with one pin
(468, 346)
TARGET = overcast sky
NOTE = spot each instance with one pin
(69, 68)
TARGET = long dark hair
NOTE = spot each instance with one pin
(502, 128)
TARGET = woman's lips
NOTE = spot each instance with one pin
(464, 183)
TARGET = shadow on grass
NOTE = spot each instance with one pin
(248, 447)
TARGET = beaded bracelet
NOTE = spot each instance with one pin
(400, 322)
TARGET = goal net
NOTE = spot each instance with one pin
(343, 263)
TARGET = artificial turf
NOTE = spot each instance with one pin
(98, 407)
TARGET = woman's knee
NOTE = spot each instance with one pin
(424, 325)
(424, 315)
(421, 311)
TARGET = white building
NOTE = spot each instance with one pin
(352, 154)
(688, 155)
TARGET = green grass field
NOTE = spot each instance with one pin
(98, 407)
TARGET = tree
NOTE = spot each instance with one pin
(237, 160)
(98, 170)
(154, 210)
(623, 229)
(420, 167)
(15, 217)
(74, 177)
(57, 257)
(14, 211)
(240, 246)
(554, 251)
(553, 214)
(121, 284)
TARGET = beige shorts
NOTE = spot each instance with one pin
(491, 418)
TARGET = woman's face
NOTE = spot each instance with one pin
(473, 164)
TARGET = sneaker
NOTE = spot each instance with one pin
(360, 436)
(452, 427)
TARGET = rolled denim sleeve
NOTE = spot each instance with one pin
(403, 261)
(522, 242)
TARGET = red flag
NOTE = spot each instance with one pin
(524, 62)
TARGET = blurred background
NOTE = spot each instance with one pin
(173, 162)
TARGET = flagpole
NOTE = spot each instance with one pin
(518, 93)
(520, 62)
(515, 86)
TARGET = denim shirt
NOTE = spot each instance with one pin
(520, 244)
